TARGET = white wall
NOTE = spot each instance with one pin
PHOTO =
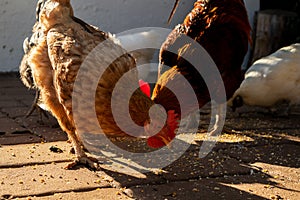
(17, 18)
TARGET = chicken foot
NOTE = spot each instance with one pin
(81, 156)
(218, 121)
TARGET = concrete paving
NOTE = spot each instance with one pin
(257, 157)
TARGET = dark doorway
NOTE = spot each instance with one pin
(290, 5)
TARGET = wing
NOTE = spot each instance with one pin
(67, 50)
(68, 47)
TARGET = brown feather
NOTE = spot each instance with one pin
(62, 47)
(222, 28)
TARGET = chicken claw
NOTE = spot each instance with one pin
(88, 161)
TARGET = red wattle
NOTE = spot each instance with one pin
(155, 142)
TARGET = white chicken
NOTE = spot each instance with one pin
(137, 42)
(271, 80)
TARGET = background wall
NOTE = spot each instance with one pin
(18, 16)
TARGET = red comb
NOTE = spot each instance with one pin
(172, 121)
(145, 87)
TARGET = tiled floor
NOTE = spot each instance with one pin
(257, 159)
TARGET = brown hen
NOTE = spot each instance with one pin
(63, 45)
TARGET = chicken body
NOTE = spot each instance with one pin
(271, 79)
(64, 43)
(222, 28)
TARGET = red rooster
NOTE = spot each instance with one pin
(222, 28)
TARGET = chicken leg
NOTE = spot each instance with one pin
(219, 119)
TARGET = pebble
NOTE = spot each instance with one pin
(128, 192)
